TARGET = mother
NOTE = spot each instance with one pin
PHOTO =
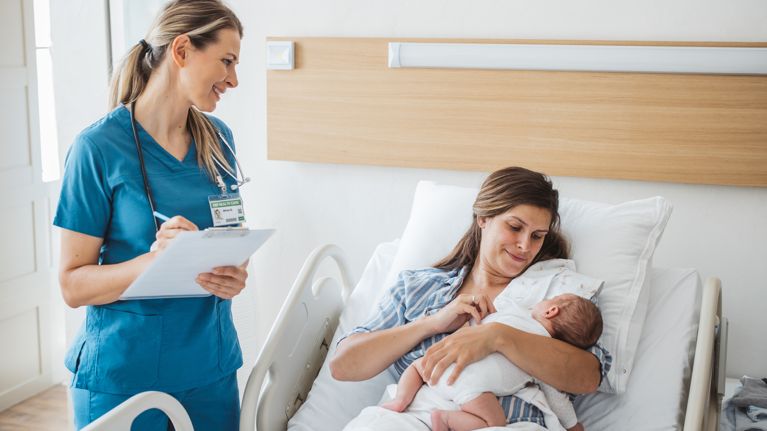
(515, 224)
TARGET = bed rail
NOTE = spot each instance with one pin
(302, 320)
(708, 371)
(121, 417)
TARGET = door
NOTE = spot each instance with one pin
(25, 245)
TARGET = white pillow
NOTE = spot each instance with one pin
(440, 215)
(614, 243)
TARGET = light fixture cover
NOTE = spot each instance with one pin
(280, 55)
(587, 58)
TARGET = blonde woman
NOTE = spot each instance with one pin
(155, 152)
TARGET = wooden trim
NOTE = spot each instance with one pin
(342, 104)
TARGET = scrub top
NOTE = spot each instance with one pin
(159, 344)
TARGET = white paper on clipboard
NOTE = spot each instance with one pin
(173, 273)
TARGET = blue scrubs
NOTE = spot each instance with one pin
(170, 345)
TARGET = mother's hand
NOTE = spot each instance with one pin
(226, 282)
(467, 345)
(464, 307)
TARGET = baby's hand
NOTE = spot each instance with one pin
(577, 427)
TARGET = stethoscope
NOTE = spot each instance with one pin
(219, 181)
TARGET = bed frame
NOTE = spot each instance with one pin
(300, 337)
(297, 344)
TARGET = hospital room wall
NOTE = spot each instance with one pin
(720, 230)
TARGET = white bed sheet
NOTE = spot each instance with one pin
(656, 389)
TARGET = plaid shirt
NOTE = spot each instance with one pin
(423, 292)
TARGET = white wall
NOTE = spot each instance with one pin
(720, 230)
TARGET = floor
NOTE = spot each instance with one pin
(46, 411)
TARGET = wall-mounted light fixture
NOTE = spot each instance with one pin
(586, 58)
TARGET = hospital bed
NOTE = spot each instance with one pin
(677, 382)
(674, 386)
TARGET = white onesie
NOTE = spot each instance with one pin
(497, 374)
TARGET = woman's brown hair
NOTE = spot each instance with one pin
(503, 190)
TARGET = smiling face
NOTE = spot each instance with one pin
(209, 71)
(511, 240)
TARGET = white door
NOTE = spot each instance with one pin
(25, 248)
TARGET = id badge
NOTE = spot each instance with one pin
(226, 209)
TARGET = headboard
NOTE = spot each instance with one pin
(343, 104)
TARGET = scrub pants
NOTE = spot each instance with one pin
(215, 407)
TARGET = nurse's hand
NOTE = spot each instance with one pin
(169, 230)
(226, 281)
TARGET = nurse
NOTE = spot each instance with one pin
(155, 151)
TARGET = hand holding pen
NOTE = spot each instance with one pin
(170, 227)
(225, 282)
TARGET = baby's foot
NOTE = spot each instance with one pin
(439, 420)
(396, 405)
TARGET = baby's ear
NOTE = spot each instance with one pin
(552, 312)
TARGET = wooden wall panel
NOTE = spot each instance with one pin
(342, 104)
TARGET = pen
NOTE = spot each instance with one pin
(160, 216)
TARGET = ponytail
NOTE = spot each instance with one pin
(130, 78)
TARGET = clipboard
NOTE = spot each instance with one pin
(173, 273)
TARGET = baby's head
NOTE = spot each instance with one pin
(570, 318)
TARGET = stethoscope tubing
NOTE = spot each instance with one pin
(145, 177)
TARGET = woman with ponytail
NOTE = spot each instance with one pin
(155, 152)
(515, 224)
